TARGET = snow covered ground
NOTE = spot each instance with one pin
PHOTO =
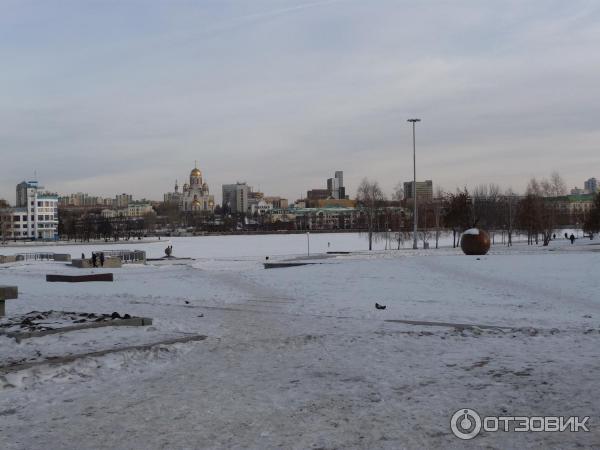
(299, 357)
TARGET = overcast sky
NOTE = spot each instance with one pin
(123, 96)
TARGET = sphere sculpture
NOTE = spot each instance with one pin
(475, 242)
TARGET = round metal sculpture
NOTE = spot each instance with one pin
(475, 242)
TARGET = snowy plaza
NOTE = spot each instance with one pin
(299, 357)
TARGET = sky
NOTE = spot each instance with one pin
(124, 95)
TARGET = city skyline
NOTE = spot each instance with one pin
(323, 186)
(124, 97)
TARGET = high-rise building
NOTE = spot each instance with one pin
(36, 213)
(122, 200)
(335, 186)
(590, 186)
(235, 197)
(424, 190)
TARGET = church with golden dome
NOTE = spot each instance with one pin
(195, 196)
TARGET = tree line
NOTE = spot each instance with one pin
(538, 213)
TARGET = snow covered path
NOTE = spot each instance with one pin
(299, 357)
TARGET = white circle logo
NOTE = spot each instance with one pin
(465, 424)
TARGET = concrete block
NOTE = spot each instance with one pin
(8, 292)
(65, 257)
(5, 259)
(111, 263)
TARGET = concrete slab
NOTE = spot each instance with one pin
(287, 264)
(57, 361)
(80, 278)
(133, 322)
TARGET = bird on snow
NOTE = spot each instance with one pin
(186, 302)
(378, 306)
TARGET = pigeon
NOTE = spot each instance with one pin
(378, 306)
(186, 302)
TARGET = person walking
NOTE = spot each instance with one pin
(102, 259)
(572, 238)
(94, 260)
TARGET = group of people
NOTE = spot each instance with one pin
(96, 258)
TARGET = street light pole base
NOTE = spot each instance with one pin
(415, 246)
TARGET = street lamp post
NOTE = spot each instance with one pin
(414, 184)
(308, 242)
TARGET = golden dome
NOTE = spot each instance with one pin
(196, 203)
(196, 172)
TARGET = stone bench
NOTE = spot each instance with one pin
(7, 293)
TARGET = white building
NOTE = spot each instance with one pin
(134, 209)
(139, 209)
(35, 215)
(261, 207)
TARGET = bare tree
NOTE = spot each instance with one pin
(552, 189)
(510, 213)
(370, 197)
(555, 186)
(457, 212)
(539, 210)
(398, 194)
(486, 211)
(5, 221)
(438, 209)
(592, 222)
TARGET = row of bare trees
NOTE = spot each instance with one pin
(538, 213)
(91, 226)
(592, 222)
